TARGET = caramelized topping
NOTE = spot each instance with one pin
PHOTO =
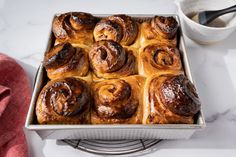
(168, 25)
(179, 95)
(113, 99)
(119, 28)
(59, 55)
(80, 20)
(107, 56)
(108, 30)
(69, 25)
(67, 97)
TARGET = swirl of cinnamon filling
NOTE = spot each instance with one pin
(64, 101)
(160, 59)
(165, 26)
(64, 60)
(74, 27)
(113, 99)
(171, 99)
(120, 28)
(109, 59)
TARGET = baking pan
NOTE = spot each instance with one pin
(115, 131)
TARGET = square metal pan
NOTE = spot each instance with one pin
(121, 131)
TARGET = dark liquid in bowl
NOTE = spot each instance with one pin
(215, 23)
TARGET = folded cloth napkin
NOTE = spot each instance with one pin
(15, 95)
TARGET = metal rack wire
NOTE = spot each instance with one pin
(114, 147)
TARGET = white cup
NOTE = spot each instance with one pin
(204, 34)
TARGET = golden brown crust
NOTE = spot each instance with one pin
(74, 27)
(119, 28)
(113, 51)
(165, 26)
(169, 99)
(64, 60)
(64, 101)
(160, 30)
(159, 59)
(118, 101)
(109, 59)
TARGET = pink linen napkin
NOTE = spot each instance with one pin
(15, 95)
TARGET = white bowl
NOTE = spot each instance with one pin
(204, 34)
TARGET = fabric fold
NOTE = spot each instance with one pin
(15, 95)
(4, 98)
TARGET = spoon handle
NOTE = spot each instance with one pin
(226, 10)
(214, 14)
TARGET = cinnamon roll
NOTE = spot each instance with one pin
(75, 28)
(160, 30)
(170, 99)
(159, 59)
(118, 101)
(64, 60)
(119, 28)
(64, 101)
(109, 59)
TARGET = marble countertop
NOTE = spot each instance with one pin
(24, 30)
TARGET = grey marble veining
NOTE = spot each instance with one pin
(229, 114)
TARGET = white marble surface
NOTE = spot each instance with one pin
(24, 29)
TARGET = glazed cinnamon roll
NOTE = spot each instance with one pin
(64, 101)
(118, 101)
(159, 59)
(120, 28)
(170, 99)
(109, 59)
(160, 30)
(64, 60)
(74, 27)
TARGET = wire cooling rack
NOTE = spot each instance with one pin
(114, 147)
